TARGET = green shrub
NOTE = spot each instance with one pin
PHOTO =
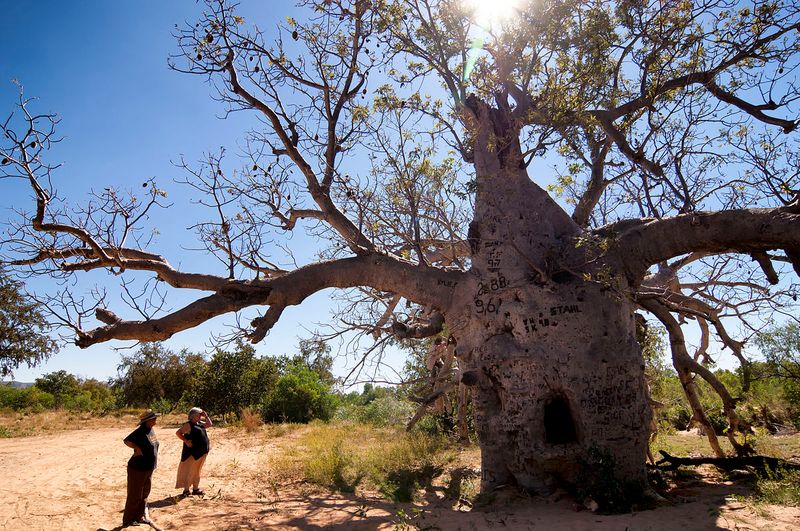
(299, 395)
(78, 402)
(31, 399)
(383, 411)
(162, 405)
(8, 397)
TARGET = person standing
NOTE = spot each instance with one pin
(141, 465)
(195, 448)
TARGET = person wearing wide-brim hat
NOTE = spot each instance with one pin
(141, 465)
(195, 448)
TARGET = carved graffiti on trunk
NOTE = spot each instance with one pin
(545, 318)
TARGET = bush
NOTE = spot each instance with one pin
(251, 420)
(384, 411)
(8, 397)
(78, 402)
(162, 405)
(34, 400)
(299, 396)
(232, 381)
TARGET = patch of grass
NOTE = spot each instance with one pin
(335, 467)
(780, 487)
(409, 462)
(281, 429)
(344, 456)
(683, 444)
(783, 446)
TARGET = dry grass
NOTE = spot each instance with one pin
(30, 424)
(347, 457)
(251, 420)
(783, 446)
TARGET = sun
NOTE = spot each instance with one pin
(490, 14)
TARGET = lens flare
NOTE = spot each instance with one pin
(491, 14)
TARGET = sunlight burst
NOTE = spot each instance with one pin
(490, 14)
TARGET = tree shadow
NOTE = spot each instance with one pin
(693, 501)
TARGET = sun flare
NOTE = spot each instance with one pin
(490, 14)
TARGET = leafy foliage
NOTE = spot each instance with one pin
(299, 395)
(30, 399)
(378, 406)
(59, 390)
(233, 380)
(156, 373)
(60, 384)
(780, 346)
(23, 329)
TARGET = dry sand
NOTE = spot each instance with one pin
(76, 480)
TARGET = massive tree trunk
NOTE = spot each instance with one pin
(546, 336)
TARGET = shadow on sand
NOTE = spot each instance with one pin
(694, 502)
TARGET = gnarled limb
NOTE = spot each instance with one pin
(730, 231)
(685, 366)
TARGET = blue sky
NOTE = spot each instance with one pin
(102, 67)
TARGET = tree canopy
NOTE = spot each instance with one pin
(23, 328)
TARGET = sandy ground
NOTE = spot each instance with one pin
(76, 481)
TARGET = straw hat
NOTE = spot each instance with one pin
(148, 415)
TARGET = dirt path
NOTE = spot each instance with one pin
(76, 481)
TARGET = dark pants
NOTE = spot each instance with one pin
(138, 491)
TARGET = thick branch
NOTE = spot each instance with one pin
(421, 284)
(731, 231)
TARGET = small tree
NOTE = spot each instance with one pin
(233, 380)
(23, 329)
(154, 372)
(60, 384)
(780, 346)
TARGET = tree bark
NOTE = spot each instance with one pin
(546, 338)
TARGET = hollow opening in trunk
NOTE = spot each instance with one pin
(559, 426)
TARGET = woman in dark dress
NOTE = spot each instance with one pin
(140, 469)
(195, 448)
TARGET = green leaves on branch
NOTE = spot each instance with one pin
(24, 330)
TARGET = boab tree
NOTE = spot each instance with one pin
(415, 142)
